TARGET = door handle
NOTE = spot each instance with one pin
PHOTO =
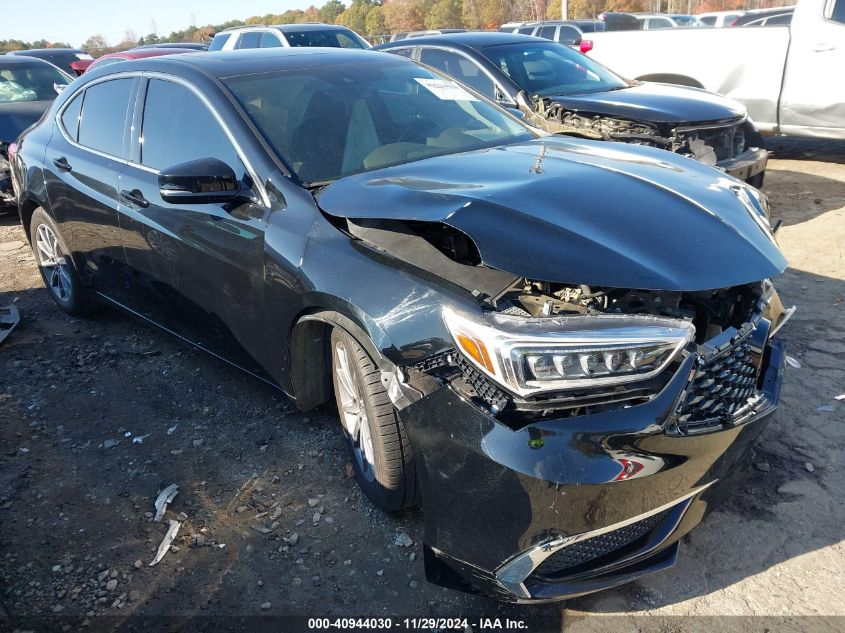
(135, 197)
(823, 47)
(62, 164)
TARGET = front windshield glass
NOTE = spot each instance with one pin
(546, 69)
(30, 82)
(333, 121)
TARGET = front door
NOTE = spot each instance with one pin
(197, 269)
(812, 100)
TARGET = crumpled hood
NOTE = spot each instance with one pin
(582, 212)
(17, 116)
(658, 103)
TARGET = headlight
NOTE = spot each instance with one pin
(527, 356)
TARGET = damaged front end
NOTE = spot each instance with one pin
(587, 371)
(731, 145)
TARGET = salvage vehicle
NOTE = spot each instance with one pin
(561, 347)
(285, 35)
(61, 58)
(28, 86)
(561, 91)
(787, 76)
(138, 53)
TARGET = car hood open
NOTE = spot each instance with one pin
(658, 103)
(583, 212)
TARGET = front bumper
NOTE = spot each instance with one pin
(746, 165)
(569, 506)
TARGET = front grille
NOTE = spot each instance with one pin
(599, 550)
(726, 142)
(720, 389)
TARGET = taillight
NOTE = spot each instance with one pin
(586, 46)
(12, 150)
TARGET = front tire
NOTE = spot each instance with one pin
(381, 453)
(56, 267)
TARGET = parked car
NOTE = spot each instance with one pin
(28, 86)
(286, 35)
(763, 17)
(562, 91)
(785, 76)
(652, 21)
(619, 21)
(718, 18)
(685, 20)
(137, 53)
(62, 58)
(198, 46)
(557, 31)
(468, 290)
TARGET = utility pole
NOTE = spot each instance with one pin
(564, 9)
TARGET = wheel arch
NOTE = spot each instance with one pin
(309, 356)
(25, 211)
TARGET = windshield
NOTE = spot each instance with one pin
(30, 82)
(334, 121)
(548, 69)
(332, 39)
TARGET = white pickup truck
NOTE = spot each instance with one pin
(790, 78)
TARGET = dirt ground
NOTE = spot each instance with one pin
(97, 416)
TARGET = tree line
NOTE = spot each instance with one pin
(377, 19)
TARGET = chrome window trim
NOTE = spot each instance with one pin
(512, 574)
(496, 84)
(61, 111)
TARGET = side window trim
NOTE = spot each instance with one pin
(126, 132)
(146, 75)
(497, 86)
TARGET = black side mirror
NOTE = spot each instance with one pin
(202, 181)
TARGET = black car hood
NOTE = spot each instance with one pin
(659, 103)
(582, 212)
(16, 117)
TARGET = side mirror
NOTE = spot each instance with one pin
(202, 181)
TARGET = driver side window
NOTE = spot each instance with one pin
(178, 128)
(460, 68)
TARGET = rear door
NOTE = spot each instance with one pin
(813, 96)
(197, 268)
(84, 160)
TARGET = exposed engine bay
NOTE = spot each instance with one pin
(710, 311)
(707, 143)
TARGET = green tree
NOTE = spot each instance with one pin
(403, 15)
(444, 14)
(331, 10)
(375, 21)
(355, 16)
(95, 44)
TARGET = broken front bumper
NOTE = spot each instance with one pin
(569, 506)
(746, 165)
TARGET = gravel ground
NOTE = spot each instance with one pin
(97, 416)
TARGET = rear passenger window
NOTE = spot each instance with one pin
(70, 117)
(547, 32)
(569, 35)
(219, 41)
(103, 121)
(250, 40)
(178, 128)
(270, 40)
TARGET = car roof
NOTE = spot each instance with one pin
(247, 61)
(22, 60)
(143, 53)
(470, 39)
(45, 51)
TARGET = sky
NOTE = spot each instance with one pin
(74, 21)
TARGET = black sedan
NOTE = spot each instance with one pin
(562, 91)
(560, 347)
(61, 58)
(27, 88)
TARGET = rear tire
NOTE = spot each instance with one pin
(381, 453)
(57, 268)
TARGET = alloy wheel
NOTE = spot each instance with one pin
(54, 263)
(354, 412)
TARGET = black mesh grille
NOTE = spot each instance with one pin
(719, 389)
(598, 550)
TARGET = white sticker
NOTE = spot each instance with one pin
(446, 90)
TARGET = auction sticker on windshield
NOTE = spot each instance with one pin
(446, 90)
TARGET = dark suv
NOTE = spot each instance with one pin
(561, 347)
